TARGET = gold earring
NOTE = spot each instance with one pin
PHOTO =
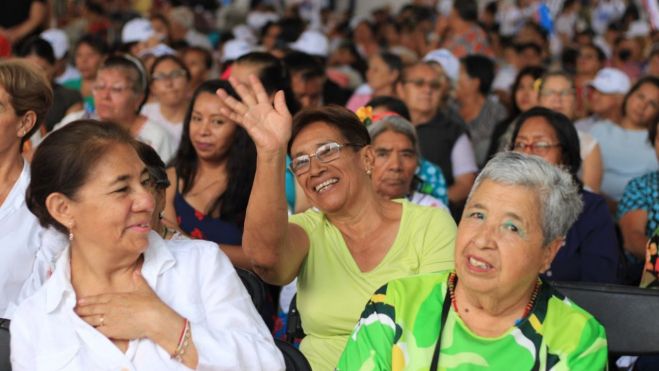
(368, 172)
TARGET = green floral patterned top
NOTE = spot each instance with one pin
(650, 278)
(400, 324)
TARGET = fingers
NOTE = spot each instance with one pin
(259, 90)
(245, 94)
(91, 310)
(280, 104)
(232, 108)
(95, 299)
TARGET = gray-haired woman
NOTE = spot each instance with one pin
(397, 156)
(493, 311)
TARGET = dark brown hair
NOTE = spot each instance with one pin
(336, 116)
(64, 159)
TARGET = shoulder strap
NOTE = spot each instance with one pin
(446, 306)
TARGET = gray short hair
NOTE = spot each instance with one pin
(557, 192)
(396, 124)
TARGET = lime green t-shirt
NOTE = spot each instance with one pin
(332, 291)
(399, 327)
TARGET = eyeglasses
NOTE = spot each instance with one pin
(538, 148)
(420, 83)
(325, 153)
(560, 93)
(176, 74)
(114, 89)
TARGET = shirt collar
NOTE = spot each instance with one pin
(157, 260)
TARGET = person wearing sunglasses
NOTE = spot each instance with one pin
(590, 252)
(352, 241)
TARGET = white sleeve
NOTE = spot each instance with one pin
(51, 244)
(23, 352)
(233, 335)
(462, 157)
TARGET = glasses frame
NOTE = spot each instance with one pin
(538, 148)
(319, 156)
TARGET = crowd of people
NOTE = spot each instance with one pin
(407, 181)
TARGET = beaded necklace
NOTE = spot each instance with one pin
(453, 277)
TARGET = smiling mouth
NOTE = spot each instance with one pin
(322, 187)
(478, 264)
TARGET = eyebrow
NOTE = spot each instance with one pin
(508, 213)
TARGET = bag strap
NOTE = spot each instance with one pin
(446, 306)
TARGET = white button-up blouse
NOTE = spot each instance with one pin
(193, 277)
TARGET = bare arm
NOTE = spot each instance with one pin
(275, 247)
(460, 189)
(592, 169)
(169, 214)
(37, 16)
(632, 226)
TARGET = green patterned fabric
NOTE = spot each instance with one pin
(400, 324)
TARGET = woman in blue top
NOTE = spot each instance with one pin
(590, 252)
(212, 175)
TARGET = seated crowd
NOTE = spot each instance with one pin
(405, 182)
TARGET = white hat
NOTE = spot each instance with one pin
(447, 60)
(182, 15)
(638, 29)
(256, 19)
(157, 51)
(312, 42)
(234, 49)
(611, 80)
(58, 40)
(243, 32)
(136, 30)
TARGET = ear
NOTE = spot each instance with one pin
(368, 157)
(60, 208)
(26, 123)
(550, 252)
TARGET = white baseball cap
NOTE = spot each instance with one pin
(312, 42)
(447, 60)
(235, 48)
(58, 40)
(611, 80)
(136, 30)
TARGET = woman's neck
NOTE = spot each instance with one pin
(493, 313)
(86, 87)
(174, 113)
(94, 271)
(387, 90)
(363, 217)
(422, 117)
(628, 124)
(11, 165)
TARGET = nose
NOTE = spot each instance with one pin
(394, 162)
(527, 149)
(315, 166)
(144, 201)
(485, 236)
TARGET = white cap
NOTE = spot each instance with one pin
(58, 40)
(243, 32)
(312, 42)
(611, 80)
(447, 60)
(234, 49)
(256, 20)
(136, 30)
(638, 29)
(157, 51)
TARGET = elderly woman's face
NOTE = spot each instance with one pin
(537, 137)
(499, 244)
(335, 183)
(557, 94)
(10, 126)
(394, 166)
(113, 209)
(170, 83)
(114, 97)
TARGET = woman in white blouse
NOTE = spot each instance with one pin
(121, 297)
(25, 97)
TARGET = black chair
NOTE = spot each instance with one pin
(5, 364)
(255, 287)
(626, 313)
(295, 360)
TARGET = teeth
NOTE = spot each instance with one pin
(322, 186)
(478, 263)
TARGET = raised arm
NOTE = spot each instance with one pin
(275, 247)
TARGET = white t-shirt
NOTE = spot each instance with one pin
(192, 277)
(150, 133)
(175, 129)
(463, 159)
(19, 241)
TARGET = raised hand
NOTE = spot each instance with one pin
(268, 125)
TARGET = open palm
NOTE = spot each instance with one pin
(269, 125)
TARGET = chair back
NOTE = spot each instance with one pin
(295, 360)
(255, 287)
(626, 312)
(5, 364)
